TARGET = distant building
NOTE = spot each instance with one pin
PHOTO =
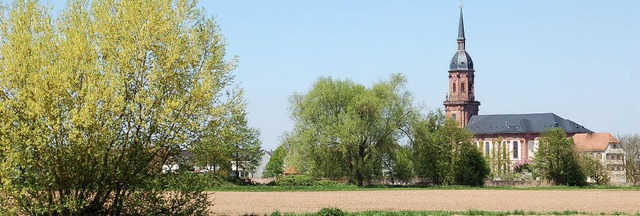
(266, 156)
(520, 133)
(605, 148)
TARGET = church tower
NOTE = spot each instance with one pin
(460, 103)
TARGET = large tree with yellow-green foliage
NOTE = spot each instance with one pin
(95, 101)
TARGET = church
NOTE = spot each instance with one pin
(519, 133)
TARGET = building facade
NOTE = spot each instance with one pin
(606, 149)
(520, 132)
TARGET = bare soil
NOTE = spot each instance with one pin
(594, 201)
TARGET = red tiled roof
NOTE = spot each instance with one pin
(594, 141)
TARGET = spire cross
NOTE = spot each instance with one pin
(461, 5)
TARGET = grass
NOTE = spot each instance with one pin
(345, 187)
(338, 212)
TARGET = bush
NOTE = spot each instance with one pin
(295, 180)
(325, 182)
(330, 212)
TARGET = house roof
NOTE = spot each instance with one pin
(594, 141)
(522, 123)
(291, 170)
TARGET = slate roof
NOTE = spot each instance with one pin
(461, 61)
(522, 123)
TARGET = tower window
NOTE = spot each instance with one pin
(453, 116)
(462, 87)
(454, 87)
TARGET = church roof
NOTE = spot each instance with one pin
(461, 61)
(522, 123)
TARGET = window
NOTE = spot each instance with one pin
(453, 116)
(487, 148)
(462, 87)
(454, 88)
(516, 149)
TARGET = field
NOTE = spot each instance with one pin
(593, 201)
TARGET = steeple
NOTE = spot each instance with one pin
(461, 27)
(461, 60)
(460, 103)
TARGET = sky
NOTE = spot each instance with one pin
(575, 58)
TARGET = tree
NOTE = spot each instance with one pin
(275, 166)
(444, 154)
(96, 101)
(557, 159)
(631, 145)
(471, 168)
(593, 169)
(246, 152)
(401, 164)
(343, 129)
(499, 157)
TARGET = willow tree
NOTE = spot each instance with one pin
(95, 101)
(343, 129)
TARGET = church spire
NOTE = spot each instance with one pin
(461, 26)
(461, 60)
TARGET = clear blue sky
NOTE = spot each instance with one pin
(578, 59)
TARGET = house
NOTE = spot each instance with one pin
(266, 156)
(606, 149)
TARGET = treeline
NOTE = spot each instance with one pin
(345, 130)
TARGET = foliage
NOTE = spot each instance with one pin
(593, 169)
(96, 101)
(470, 168)
(246, 152)
(402, 164)
(443, 153)
(631, 145)
(275, 166)
(522, 166)
(499, 158)
(557, 159)
(295, 180)
(330, 212)
(343, 129)
(237, 143)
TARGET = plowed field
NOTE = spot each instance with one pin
(595, 201)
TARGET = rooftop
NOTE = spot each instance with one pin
(594, 141)
(522, 123)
